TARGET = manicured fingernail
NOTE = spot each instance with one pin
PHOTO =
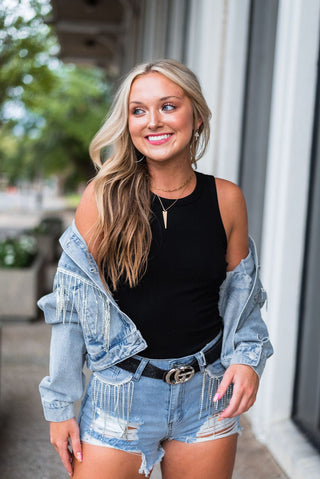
(70, 474)
(220, 418)
(79, 456)
(216, 397)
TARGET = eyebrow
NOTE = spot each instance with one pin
(164, 98)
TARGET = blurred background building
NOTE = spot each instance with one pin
(258, 64)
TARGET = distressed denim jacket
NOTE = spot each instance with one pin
(87, 324)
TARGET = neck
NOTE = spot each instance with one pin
(171, 181)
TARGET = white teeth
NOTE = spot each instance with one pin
(158, 137)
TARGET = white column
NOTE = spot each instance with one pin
(232, 89)
(176, 29)
(203, 57)
(217, 49)
(285, 214)
(154, 34)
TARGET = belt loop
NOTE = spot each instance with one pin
(140, 369)
(200, 357)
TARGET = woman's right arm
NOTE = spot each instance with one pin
(65, 383)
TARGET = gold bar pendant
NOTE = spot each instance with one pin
(165, 215)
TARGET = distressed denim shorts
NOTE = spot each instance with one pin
(135, 413)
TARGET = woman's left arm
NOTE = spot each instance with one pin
(234, 216)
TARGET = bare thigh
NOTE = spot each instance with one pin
(106, 463)
(208, 460)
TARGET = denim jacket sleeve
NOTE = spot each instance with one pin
(65, 383)
(245, 336)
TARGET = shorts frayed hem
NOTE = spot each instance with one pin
(212, 431)
(145, 468)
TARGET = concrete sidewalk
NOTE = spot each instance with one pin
(25, 451)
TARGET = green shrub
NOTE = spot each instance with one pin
(18, 252)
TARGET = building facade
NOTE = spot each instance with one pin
(257, 62)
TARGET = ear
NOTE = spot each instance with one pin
(198, 123)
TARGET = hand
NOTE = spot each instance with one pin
(245, 386)
(60, 432)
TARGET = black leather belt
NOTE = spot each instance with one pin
(177, 375)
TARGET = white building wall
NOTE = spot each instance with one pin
(204, 55)
(176, 31)
(154, 29)
(232, 86)
(216, 52)
(286, 197)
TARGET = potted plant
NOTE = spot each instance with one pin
(47, 234)
(20, 277)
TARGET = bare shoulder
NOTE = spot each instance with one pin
(232, 203)
(234, 216)
(228, 192)
(87, 212)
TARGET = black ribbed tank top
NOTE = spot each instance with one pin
(175, 305)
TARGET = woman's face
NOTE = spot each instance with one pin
(160, 118)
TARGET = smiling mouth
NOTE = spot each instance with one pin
(158, 139)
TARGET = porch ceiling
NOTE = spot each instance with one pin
(92, 31)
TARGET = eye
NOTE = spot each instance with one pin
(137, 111)
(168, 107)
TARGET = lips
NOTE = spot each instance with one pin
(158, 139)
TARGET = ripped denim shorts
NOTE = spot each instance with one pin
(136, 413)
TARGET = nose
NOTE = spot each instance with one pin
(154, 119)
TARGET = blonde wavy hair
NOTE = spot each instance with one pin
(122, 186)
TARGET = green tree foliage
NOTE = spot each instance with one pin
(49, 111)
(27, 46)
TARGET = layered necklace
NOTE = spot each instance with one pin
(165, 210)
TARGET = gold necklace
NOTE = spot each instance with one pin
(165, 210)
(175, 189)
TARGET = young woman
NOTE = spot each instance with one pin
(157, 290)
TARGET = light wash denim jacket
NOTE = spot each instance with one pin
(87, 324)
